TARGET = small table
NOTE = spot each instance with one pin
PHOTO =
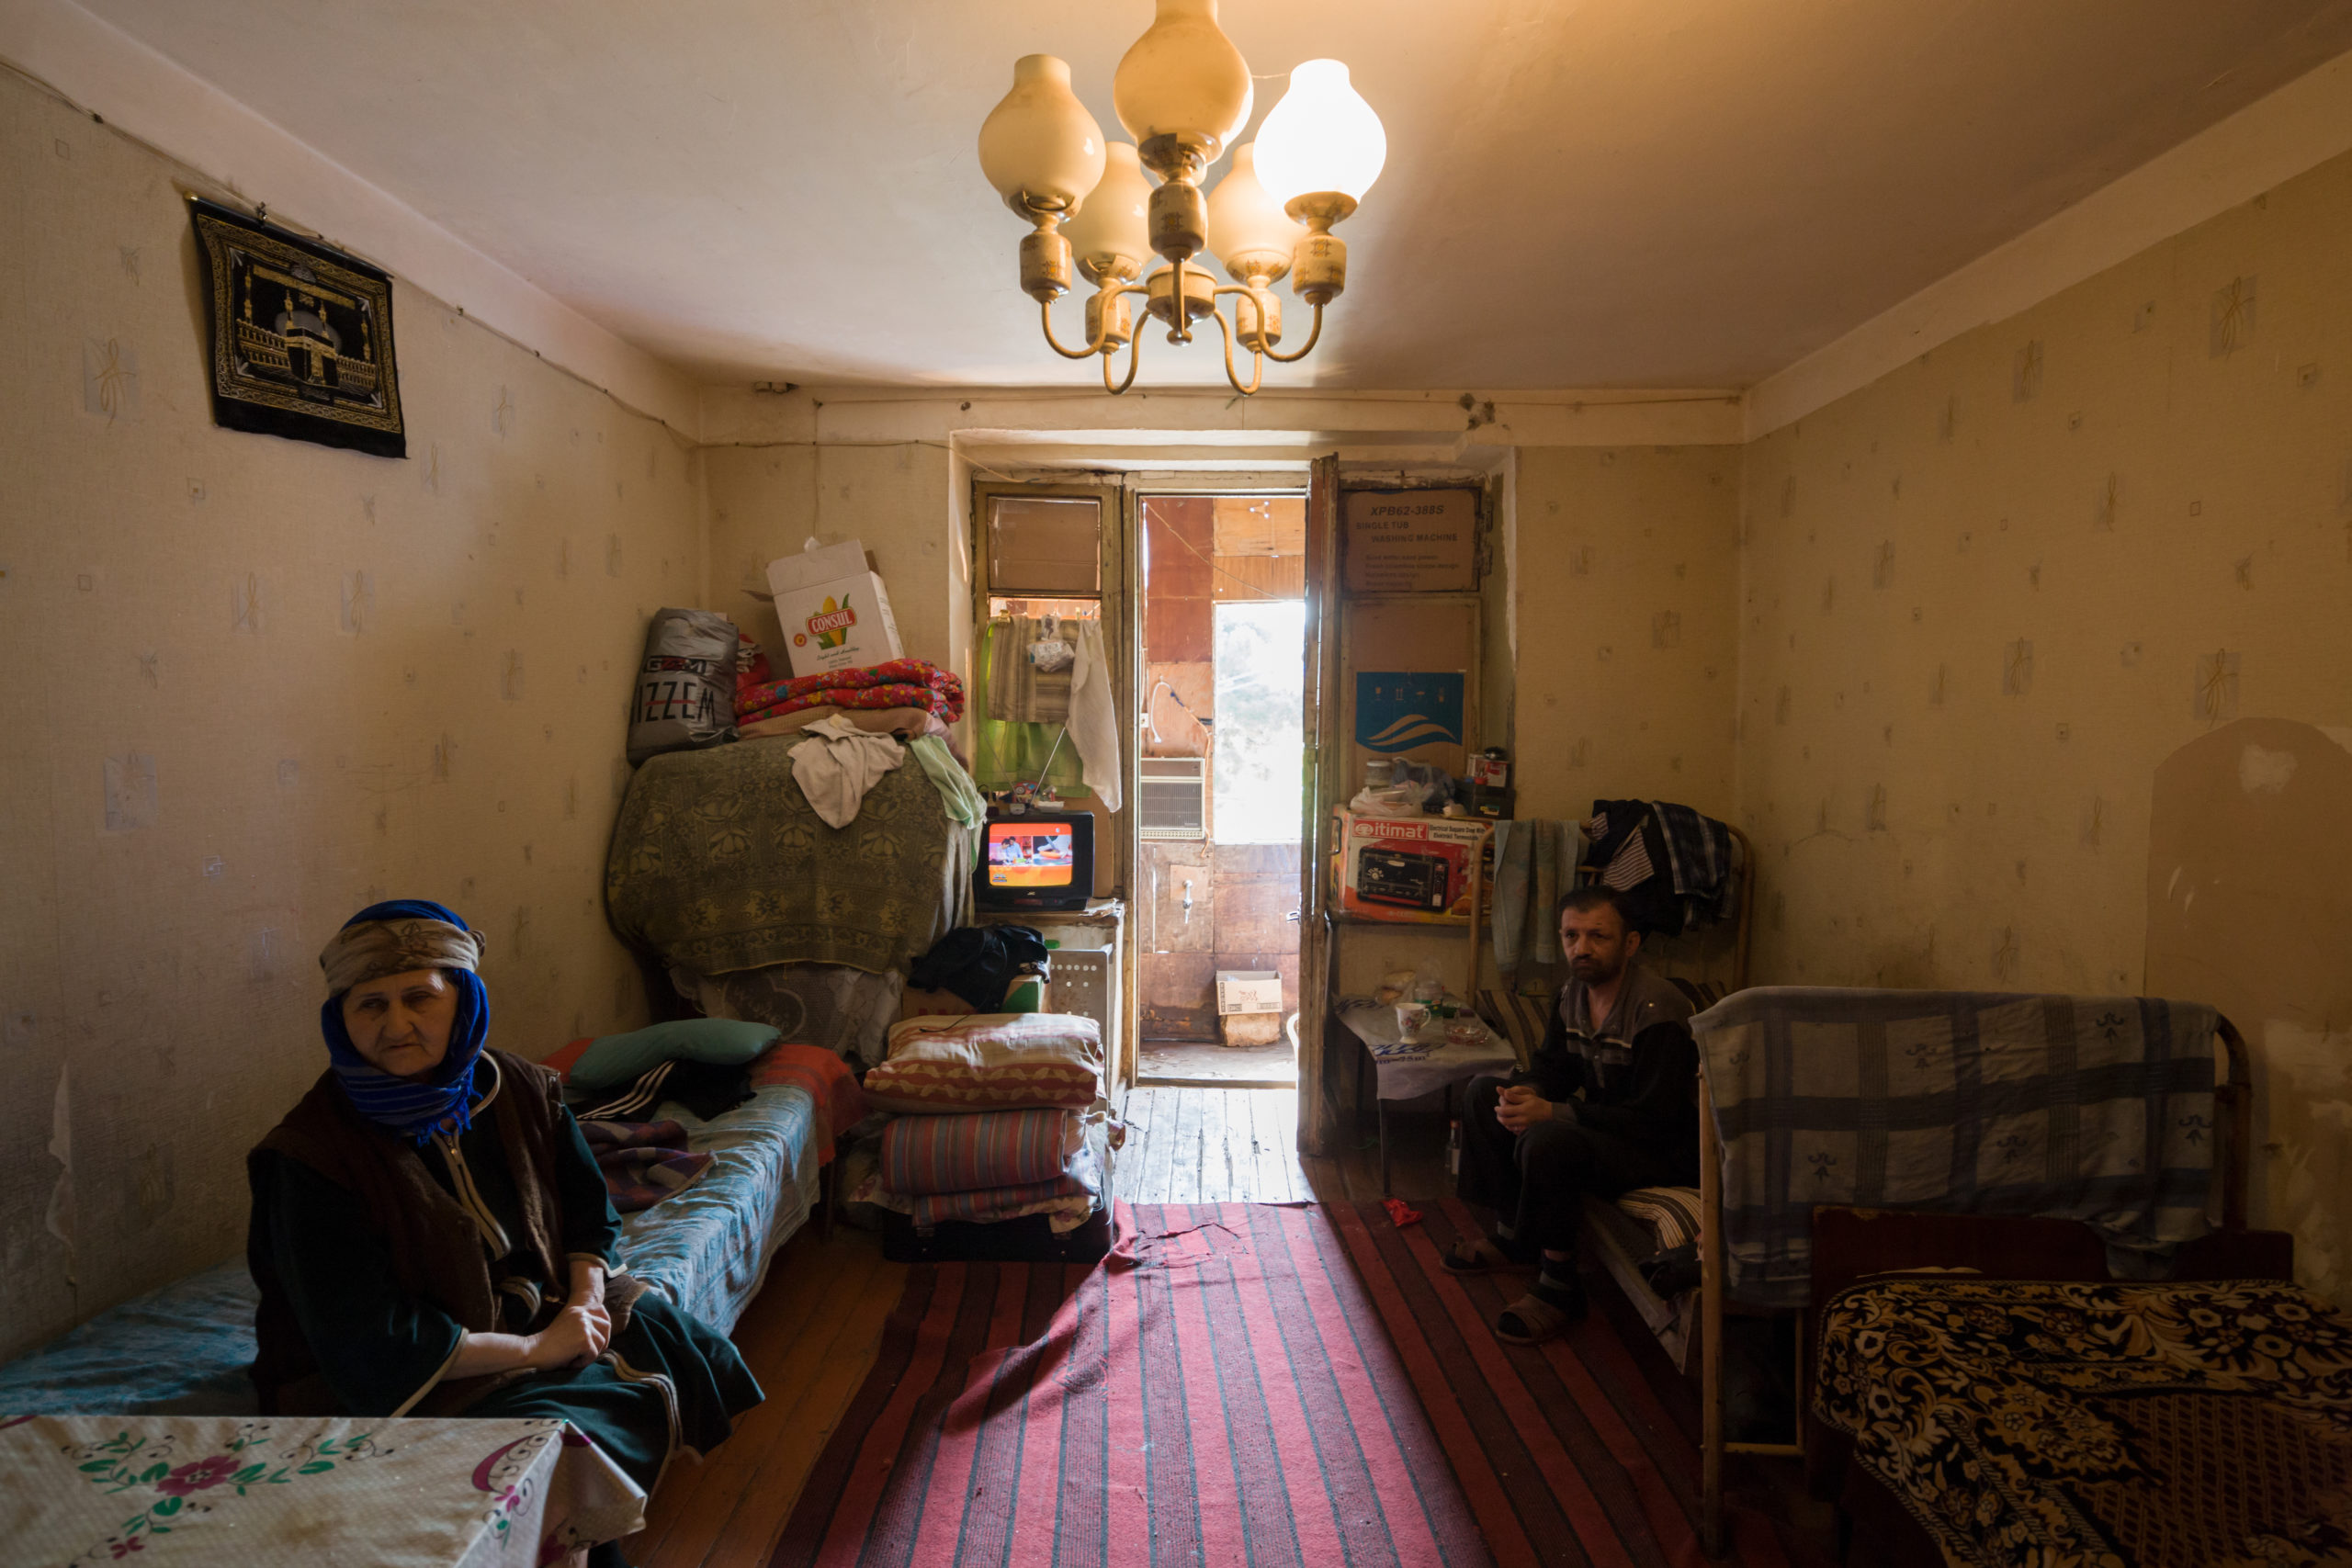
(1411, 1077)
(232, 1492)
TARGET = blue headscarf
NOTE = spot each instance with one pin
(413, 1107)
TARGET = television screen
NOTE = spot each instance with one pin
(1032, 854)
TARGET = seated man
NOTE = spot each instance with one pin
(1609, 1104)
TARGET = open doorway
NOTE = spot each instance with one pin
(1223, 586)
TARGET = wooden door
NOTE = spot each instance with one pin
(1318, 794)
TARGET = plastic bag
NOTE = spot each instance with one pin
(684, 697)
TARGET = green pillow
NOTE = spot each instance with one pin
(624, 1058)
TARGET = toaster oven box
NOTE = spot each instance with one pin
(1409, 868)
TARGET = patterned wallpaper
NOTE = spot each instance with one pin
(255, 683)
(1627, 584)
(1985, 599)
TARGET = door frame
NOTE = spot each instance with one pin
(1139, 489)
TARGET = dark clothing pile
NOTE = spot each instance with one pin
(980, 964)
(1672, 869)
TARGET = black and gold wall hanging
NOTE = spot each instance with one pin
(302, 337)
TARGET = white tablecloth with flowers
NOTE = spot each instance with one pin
(230, 1491)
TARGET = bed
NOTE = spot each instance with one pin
(184, 1350)
(2017, 1404)
(2103, 1109)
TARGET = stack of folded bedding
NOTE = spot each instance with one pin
(901, 694)
(1000, 1116)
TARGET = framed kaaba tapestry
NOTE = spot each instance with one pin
(302, 337)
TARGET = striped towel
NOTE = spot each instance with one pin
(924, 1156)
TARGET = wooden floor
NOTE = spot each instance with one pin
(1208, 1065)
(811, 1334)
(810, 1337)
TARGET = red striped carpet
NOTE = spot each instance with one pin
(1218, 1391)
(1247, 1384)
(1566, 1451)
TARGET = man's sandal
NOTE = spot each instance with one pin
(1532, 1320)
(1476, 1255)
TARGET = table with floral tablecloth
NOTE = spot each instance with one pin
(230, 1491)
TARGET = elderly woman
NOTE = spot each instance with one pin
(432, 1237)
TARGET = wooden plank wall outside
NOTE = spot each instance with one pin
(1242, 898)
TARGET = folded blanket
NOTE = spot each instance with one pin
(643, 1162)
(924, 1156)
(896, 683)
(1075, 1192)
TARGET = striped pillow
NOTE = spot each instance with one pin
(1671, 1213)
(992, 1061)
(925, 1155)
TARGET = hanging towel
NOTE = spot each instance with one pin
(966, 806)
(1018, 691)
(1511, 843)
(838, 764)
(1536, 860)
(1095, 717)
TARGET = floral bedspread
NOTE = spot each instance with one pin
(217, 1492)
(2124, 1425)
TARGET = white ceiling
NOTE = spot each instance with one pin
(1579, 193)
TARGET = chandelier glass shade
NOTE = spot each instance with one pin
(1108, 212)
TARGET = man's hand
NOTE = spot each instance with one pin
(1520, 1108)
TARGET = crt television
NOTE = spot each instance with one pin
(1041, 859)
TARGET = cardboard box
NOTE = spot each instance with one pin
(833, 609)
(1409, 868)
(1249, 990)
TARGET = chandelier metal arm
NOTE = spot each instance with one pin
(1045, 317)
(1258, 366)
(1314, 333)
(1134, 357)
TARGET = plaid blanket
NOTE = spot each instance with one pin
(643, 1162)
(2090, 1108)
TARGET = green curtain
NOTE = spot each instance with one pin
(1005, 754)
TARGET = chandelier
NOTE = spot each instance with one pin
(1183, 93)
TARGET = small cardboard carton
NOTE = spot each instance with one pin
(1249, 1006)
(1249, 990)
(1409, 868)
(834, 611)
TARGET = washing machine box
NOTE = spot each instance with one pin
(1409, 868)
